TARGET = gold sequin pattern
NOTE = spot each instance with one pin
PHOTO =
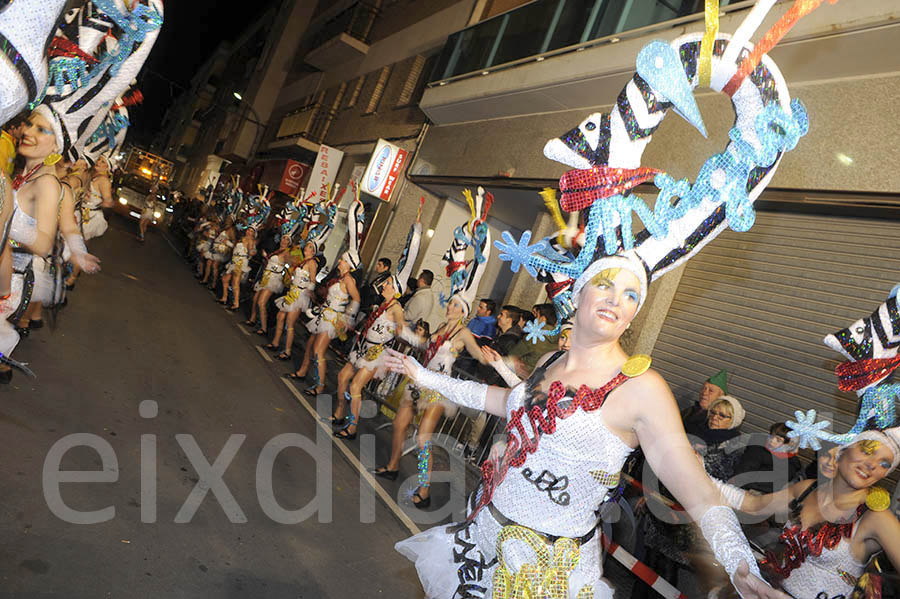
(546, 577)
(605, 478)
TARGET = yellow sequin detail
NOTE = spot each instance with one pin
(636, 365)
(547, 577)
(373, 352)
(605, 478)
(878, 499)
(292, 296)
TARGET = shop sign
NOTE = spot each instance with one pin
(292, 177)
(323, 174)
(383, 170)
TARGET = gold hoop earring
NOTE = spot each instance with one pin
(52, 159)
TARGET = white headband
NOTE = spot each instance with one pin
(628, 261)
(55, 124)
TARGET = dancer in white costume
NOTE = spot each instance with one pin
(238, 268)
(270, 283)
(387, 320)
(444, 345)
(295, 301)
(341, 301)
(90, 216)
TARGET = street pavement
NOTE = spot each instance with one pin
(143, 330)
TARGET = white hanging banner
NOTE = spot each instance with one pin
(323, 173)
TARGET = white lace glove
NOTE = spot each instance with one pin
(468, 394)
(506, 373)
(721, 529)
(733, 496)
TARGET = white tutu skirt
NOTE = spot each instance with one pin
(9, 338)
(450, 562)
(96, 226)
(220, 258)
(245, 270)
(271, 282)
(293, 301)
(324, 323)
(371, 356)
(203, 249)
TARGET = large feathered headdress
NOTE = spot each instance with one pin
(465, 275)
(606, 148)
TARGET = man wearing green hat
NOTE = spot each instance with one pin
(715, 387)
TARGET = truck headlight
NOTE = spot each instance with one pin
(123, 201)
(157, 214)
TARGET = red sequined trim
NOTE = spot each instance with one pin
(859, 375)
(554, 288)
(580, 188)
(800, 544)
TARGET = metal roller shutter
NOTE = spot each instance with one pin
(759, 304)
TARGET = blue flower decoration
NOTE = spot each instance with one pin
(807, 430)
(535, 331)
(519, 253)
(443, 299)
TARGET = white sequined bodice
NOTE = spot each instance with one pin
(560, 487)
(823, 574)
(382, 330)
(240, 253)
(94, 199)
(301, 279)
(274, 265)
(22, 229)
(443, 358)
(336, 298)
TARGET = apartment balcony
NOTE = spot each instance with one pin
(305, 128)
(558, 55)
(342, 38)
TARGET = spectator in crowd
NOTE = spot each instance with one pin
(411, 284)
(9, 142)
(510, 332)
(422, 301)
(825, 464)
(484, 324)
(525, 354)
(694, 417)
(719, 442)
(522, 319)
(765, 460)
(371, 298)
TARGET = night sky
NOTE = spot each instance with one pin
(192, 30)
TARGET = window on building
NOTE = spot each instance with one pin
(411, 85)
(353, 96)
(378, 92)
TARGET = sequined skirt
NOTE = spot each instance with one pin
(293, 300)
(369, 355)
(324, 322)
(485, 559)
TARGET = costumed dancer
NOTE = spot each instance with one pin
(296, 300)
(269, 284)
(302, 281)
(381, 325)
(583, 412)
(238, 269)
(219, 253)
(38, 194)
(836, 528)
(444, 345)
(341, 303)
(91, 218)
(150, 211)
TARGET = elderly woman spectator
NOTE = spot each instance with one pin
(713, 388)
(719, 441)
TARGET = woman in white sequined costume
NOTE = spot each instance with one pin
(366, 359)
(270, 283)
(33, 226)
(295, 301)
(237, 269)
(532, 524)
(341, 306)
(442, 349)
(836, 527)
(218, 254)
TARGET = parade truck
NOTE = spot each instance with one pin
(139, 171)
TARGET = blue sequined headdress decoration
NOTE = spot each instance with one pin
(606, 148)
(871, 346)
